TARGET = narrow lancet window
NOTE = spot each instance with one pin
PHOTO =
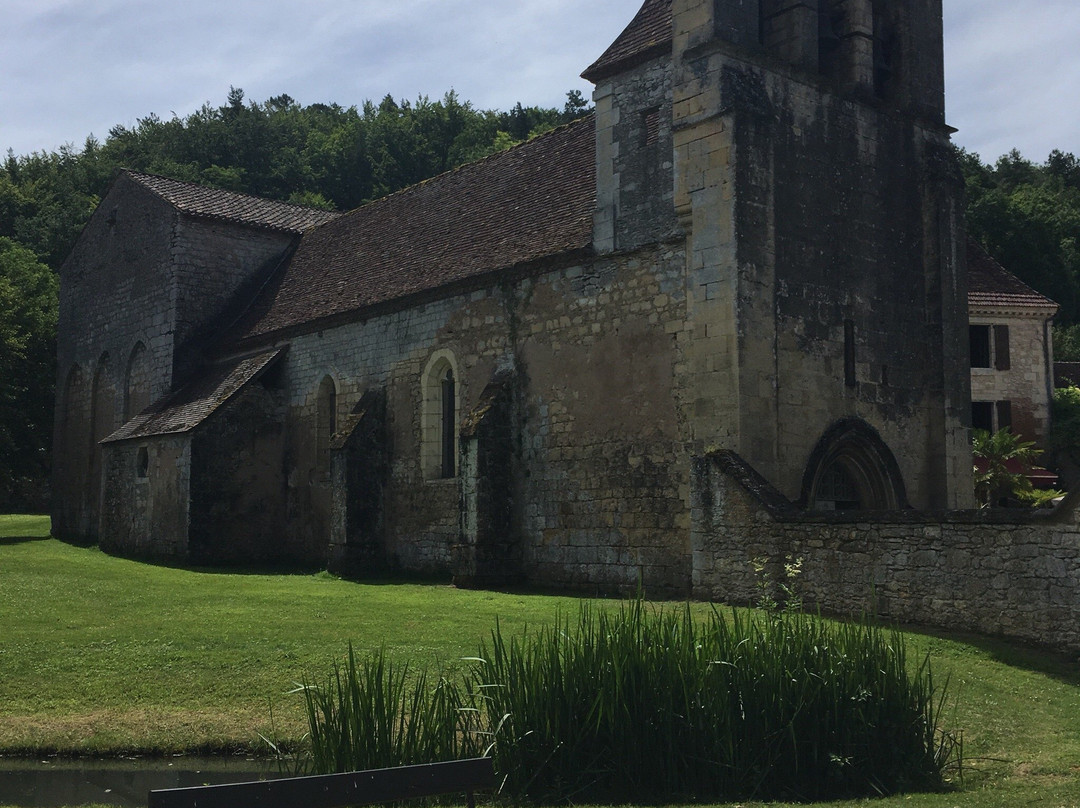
(849, 353)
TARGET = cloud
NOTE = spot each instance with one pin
(71, 67)
(1011, 73)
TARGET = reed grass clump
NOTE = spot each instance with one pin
(649, 705)
(371, 714)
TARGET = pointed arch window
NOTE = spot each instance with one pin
(73, 424)
(142, 463)
(102, 416)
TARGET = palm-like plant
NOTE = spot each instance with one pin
(1006, 461)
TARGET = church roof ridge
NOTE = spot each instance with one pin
(231, 206)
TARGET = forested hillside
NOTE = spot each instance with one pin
(1026, 214)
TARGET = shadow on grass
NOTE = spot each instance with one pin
(1055, 664)
(286, 569)
(282, 570)
(6, 541)
(1063, 666)
(1059, 665)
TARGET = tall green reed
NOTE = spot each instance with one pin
(371, 714)
(651, 705)
(648, 705)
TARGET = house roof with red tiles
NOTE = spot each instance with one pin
(192, 404)
(214, 203)
(647, 35)
(992, 287)
(531, 202)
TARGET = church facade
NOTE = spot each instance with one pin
(509, 372)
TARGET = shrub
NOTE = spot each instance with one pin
(1065, 419)
(648, 705)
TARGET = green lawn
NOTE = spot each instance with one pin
(101, 655)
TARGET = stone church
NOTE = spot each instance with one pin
(510, 372)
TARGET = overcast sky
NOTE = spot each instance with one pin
(69, 68)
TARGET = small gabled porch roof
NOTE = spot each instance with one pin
(192, 404)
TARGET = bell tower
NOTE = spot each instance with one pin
(815, 184)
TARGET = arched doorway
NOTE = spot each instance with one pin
(851, 468)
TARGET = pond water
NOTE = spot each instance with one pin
(52, 782)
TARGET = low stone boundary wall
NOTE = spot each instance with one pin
(1009, 574)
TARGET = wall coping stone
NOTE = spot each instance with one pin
(782, 509)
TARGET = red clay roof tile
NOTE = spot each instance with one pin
(991, 285)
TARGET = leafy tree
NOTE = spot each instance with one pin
(1027, 216)
(1064, 166)
(575, 106)
(1064, 438)
(1067, 343)
(28, 307)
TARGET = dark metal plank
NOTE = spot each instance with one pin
(336, 790)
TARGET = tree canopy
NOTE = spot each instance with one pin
(1027, 216)
(322, 155)
(28, 301)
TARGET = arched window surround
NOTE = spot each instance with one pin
(440, 415)
(74, 415)
(142, 464)
(102, 403)
(73, 402)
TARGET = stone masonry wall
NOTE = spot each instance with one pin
(115, 294)
(359, 467)
(595, 349)
(237, 487)
(965, 570)
(634, 158)
(146, 495)
(142, 283)
(851, 326)
(216, 269)
(604, 437)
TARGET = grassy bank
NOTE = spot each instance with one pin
(100, 655)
